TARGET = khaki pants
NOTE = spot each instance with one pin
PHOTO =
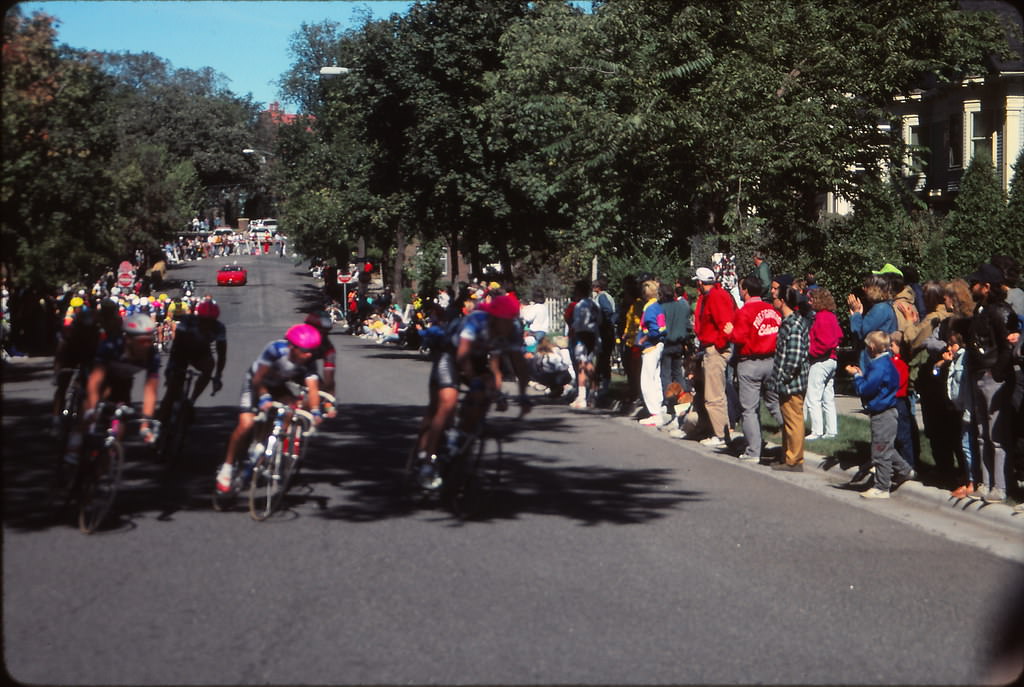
(792, 428)
(714, 389)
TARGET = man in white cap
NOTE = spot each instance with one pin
(714, 310)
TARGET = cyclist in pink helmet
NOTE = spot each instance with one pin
(286, 360)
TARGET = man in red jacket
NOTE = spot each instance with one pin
(753, 330)
(714, 310)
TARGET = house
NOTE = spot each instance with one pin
(955, 121)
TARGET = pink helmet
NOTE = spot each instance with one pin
(504, 307)
(208, 310)
(303, 336)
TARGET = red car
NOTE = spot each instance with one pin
(232, 275)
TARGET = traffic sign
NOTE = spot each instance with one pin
(344, 278)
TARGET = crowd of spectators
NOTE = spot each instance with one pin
(700, 366)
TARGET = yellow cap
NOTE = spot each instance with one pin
(77, 302)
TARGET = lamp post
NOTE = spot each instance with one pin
(334, 71)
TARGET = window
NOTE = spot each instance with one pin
(955, 140)
(980, 136)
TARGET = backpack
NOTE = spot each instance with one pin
(586, 317)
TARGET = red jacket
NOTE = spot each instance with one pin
(713, 310)
(755, 327)
(904, 372)
(824, 336)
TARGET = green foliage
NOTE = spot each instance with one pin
(1015, 210)
(974, 229)
(665, 266)
(426, 266)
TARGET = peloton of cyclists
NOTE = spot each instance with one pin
(471, 353)
(194, 340)
(118, 359)
(286, 360)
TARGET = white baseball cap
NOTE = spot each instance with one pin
(705, 275)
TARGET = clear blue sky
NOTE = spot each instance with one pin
(245, 41)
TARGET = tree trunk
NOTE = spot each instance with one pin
(399, 265)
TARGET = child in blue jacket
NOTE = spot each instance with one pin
(877, 387)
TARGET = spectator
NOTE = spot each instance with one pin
(536, 320)
(649, 340)
(906, 426)
(714, 309)
(585, 342)
(550, 366)
(789, 378)
(677, 332)
(609, 323)
(870, 310)
(628, 327)
(762, 271)
(959, 391)
(877, 386)
(824, 337)
(989, 359)
(753, 330)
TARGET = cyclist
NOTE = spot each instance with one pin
(118, 360)
(471, 353)
(286, 360)
(326, 352)
(76, 348)
(194, 339)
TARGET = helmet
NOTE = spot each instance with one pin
(77, 302)
(303, 336)
(139, 324)
(164, 297)
(320, 320)
(503, 307)
(208, 310)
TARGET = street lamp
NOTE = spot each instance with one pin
(334, 71)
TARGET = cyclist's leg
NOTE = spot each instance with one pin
(205, 367)
(444, 396)
(175, 379)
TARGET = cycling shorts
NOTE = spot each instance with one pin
(445, 373)
(249, 402)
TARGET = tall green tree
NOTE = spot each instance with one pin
(975, 229)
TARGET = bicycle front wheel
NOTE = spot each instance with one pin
(99, 486)
(265, 487)
(290, 460)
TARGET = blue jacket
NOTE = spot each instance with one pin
(881, 317)
(878, 385)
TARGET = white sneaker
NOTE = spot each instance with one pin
(651, 421)
(579, 404)
(224, 478)
(874, 493)
(814, 437)
(713, 442)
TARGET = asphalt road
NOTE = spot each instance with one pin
(607, 554)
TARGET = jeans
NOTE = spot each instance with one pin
(650, 379)
(993, 412)
(821, 397)
(754, 375)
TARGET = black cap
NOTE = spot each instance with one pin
(986, 274)
(783, 280)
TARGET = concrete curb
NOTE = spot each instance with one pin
(997, 515)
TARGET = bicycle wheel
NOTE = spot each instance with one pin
(172, 436)
(100, 482)
(460, 491)
(265, 486)
(291, 459)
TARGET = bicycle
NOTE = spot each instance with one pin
(466, 475)
(273, 458)
(101, 462)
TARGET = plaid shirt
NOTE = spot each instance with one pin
(789, 373)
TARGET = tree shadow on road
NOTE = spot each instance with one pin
(352, 472)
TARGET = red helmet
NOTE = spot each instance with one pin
(208, 310)
(320, 320)
(505, 307)
(303, 336)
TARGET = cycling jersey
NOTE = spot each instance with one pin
(120, 369)
(177, 310)
(192, 341)
(327, 353)
(280, 368)
(476, 330)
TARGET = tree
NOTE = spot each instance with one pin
(975, 229)
(1015, 210)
